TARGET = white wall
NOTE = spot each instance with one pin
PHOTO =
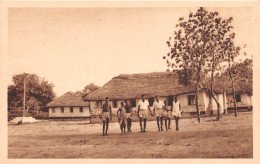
(229, 100)
(225, 101)
(246, 100)
(67, 113)
(220, 101)
(97, 108)
(203, 100)
(214, 106)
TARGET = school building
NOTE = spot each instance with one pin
(69, 105)
(164, 84)
(132, 86)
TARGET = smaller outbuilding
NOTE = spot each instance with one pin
(243, 100)
(69, 105)
(243, 94)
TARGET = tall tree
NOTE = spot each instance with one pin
(90, 88)
(242, 74)
(217, 38)
(242, 79)
(195, 50)
(39, 92)
(231, 52)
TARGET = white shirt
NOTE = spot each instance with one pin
(176, 109)
(158, 105)
(176, 106)
(143, 105)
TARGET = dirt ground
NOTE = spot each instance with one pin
(228, 138)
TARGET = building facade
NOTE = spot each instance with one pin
(164, 84)
(243, 100)
(69, 105)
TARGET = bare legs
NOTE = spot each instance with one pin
(142, 129)
(169, 123)
(105, 126)
(144, 124)
(122, 127)
(176, 122)
(166, 124)
(107, 123)
(159, 120)
(129, 124)
(140, 119)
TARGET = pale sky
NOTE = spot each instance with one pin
(74, 47)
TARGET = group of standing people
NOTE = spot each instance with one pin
(159, 109)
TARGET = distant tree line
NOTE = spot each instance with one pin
(90, 88)
(38, 93)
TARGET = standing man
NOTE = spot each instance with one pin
(169, 114)
(106, 115)
(157, 107)
(176, 107)
(166, 114)
(129, 112)
(143, 107)
(121, 115)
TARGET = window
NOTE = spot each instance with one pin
(191, 100)
(71, 109)
(114, 103)
(53, 110)
(62, 109)
(132, 102)
(238, 98)
(151, 100)
(81, 109)
(170, 100)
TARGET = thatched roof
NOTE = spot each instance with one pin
(68, 99)
(130, 86)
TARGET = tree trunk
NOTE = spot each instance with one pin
(225, 103)
(234, 98)
(213, 96)
(197, 104)
(233, 87)
(196, 94)
(211, 89)
(218, 106)
(210, 104)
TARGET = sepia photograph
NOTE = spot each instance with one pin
(130, 81)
